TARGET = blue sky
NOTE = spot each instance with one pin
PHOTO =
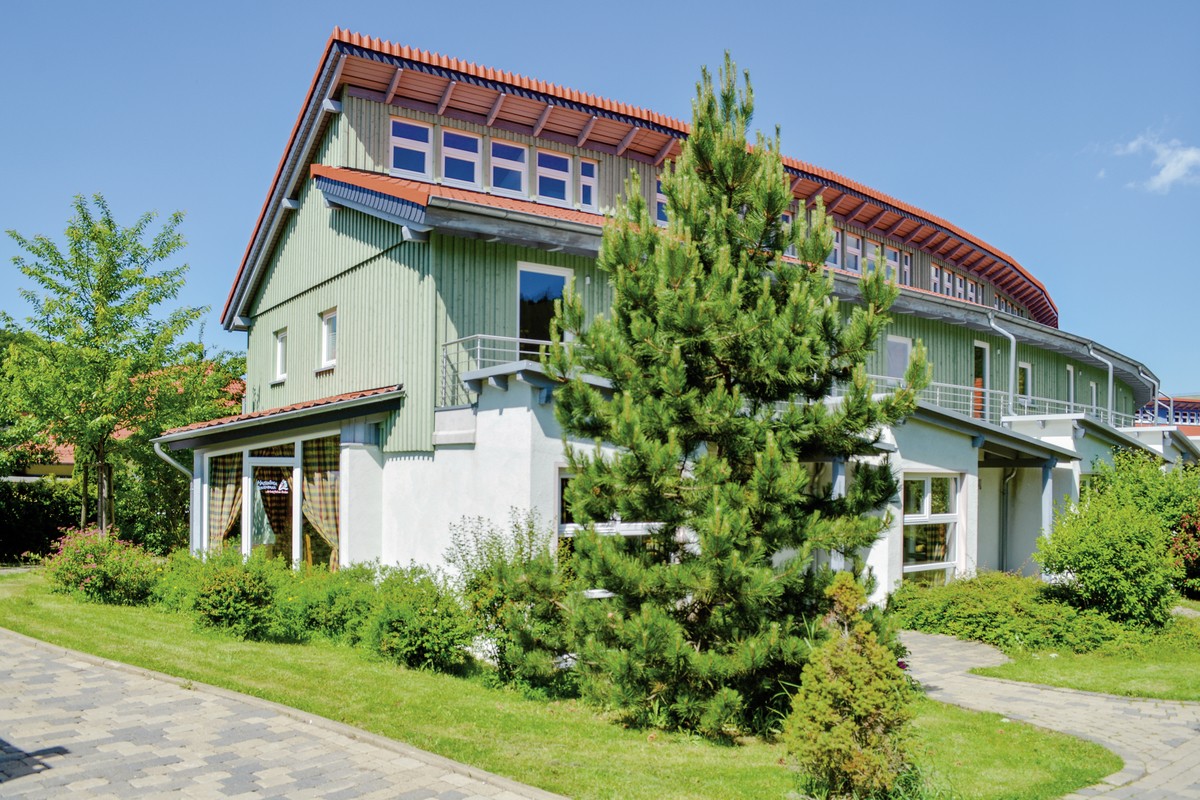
(1065, 133)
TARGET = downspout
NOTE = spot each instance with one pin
(1012, 360)
(1004, 495)
(159, 451)
(1092, 352)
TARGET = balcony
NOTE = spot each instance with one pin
(482, 351)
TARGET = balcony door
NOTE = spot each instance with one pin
(538, 287)
(981, 381)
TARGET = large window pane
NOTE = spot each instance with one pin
(942, 493)
(225, 501)
(538, 291)
(320, 501)
(928, 543)
(271, 511)
(914, 497)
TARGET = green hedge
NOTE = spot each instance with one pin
(32, 514)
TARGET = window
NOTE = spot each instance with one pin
(853, 252)
(960, 287)
(412, 149)
(970, 291)
(329, 338)
(510, 166)
(906, 277)
(1024, 380)
(930, 509)
(892, 257)
(935, 280)
(1093, 395)
(461, 155)
(1071, 387)
(898, 350)
(554, 177)
(872, 256)
(790, 250)
(538, 287)
(948, 282)
(834, 259)
(281, 355)
(660, 204)
(587, 184)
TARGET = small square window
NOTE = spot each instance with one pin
(554, 177)
(281, 354)
(510, 166)
(461, 154)
(329, 338)
(412, 149)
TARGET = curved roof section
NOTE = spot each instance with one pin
(392, 73)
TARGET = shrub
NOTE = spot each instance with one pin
(848, 724)
(514, 587)
(101, 568)
(32, 516)
(178, 583)
(418, 622)
(331, 604)
(1185, 550)
(1008, 611)
(237, 596)
(1112, 557)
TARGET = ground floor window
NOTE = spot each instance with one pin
(283, 498)
(931, 526)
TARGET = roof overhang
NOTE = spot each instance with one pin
(998, 446)
(1172, 438)
(286, 418)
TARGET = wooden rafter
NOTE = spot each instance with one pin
(496, 106)
(913, 233)
(390, 94)
(446, 95)
(830, 203)
(542, 120)
(895, 226)
(586, 132)
(857, 210)
(627, 140)
(664, 152)
(875, 219)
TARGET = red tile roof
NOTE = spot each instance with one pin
(385, 47)
(271, 412)
(419, 193)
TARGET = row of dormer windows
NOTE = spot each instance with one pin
(453, 157)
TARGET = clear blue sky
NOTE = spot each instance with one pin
(1065, 133)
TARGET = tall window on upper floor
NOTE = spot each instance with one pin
(554, 178)
(834, 259)
(971, 289)
(510, 166)
(1024, 381)
(538, 287)
(853, 252)
(1071, 387)
(935, 280)
(588, 201)
(281, 355)
(891, 257)
(960, 287)
(790, 250)
(948, 282)
(660, 204)
(412, 149)
(329, 325)
(906, 272)
(870, 255)
(462, 155)
(1093, 395)
(931, 522)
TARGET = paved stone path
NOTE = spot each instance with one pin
(1159, 740)
(72, 725)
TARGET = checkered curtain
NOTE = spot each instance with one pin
(320, 498)
(224, 497)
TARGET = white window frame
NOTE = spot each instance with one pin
(907, 342)
(539, 172)
(948, 282)
(329, 323)
(960, 287)
(545, 269)
(281, 355)
(834, 259)
(520, 167)
(593, 183)
(853, 252)
(1071, 386)
(891, 259)
(1094, 395)
(906, 275)
(935, 279)
(871, 256)
(474, 159)
(408, 144)
(970, 291)
(660, 204)
(1026, 369)
(927, 517)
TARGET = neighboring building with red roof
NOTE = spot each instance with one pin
(426, 213)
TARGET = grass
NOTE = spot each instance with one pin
(1163, 667)
(560, 746)
(1194, 605)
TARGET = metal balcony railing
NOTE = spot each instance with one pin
(483, 350)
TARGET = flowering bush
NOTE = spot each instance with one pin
(104, 569)
(1185, 549)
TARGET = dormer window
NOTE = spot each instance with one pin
(461, 159)
(510, 165)
(412, 149)
(587, 184)
(554, 177)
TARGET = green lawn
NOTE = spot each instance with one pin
(1165, 669)
(1194, 605)
(562, 746)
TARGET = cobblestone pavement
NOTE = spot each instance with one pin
(1159, 740)
(72, 725)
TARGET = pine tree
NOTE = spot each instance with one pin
(722, 354)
